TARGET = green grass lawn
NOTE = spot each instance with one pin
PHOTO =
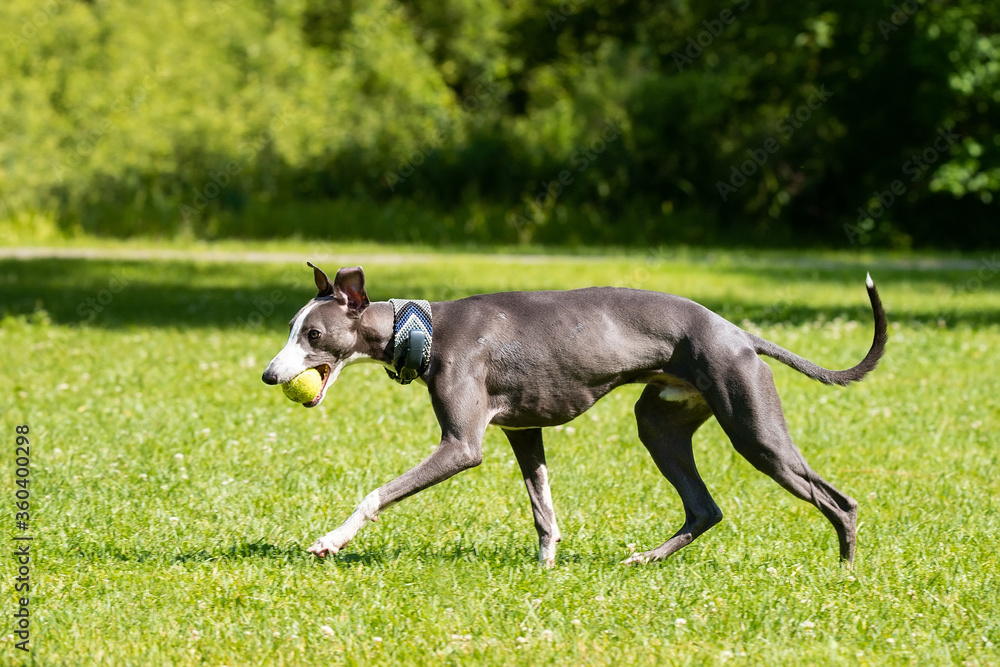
(174, 494)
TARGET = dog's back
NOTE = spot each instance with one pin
(543, 351)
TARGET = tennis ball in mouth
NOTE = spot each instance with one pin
(304, 387)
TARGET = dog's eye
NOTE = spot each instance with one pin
(313, 334)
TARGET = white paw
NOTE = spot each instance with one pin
(547, 556)
(328, 545)
(636, 559)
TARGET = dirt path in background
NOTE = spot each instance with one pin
(346, 259)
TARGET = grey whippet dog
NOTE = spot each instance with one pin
(527, 360)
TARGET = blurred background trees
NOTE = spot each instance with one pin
(453, 121)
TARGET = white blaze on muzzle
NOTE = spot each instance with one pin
(292, 359)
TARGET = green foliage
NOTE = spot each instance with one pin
(206, 118)
(175, 494)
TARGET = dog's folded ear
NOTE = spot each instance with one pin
(349, 289)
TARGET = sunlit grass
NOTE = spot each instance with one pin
(175, 494)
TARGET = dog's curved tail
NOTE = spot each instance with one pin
(825, 375)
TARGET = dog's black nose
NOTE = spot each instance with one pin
(269, 377)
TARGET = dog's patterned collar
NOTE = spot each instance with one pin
(412, 331)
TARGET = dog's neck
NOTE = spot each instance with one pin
(375, 338)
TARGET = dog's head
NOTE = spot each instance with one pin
(324, 334)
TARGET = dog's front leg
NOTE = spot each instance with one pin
(530, 454)
(452, 456)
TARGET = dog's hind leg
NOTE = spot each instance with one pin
(747, 406)
(530, 455)
(667, 418)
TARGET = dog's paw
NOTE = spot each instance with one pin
(547, 555)
(640, 558)
(325, 546)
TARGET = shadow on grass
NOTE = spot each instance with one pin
(258, 549)
(504, 555)
(248, 298)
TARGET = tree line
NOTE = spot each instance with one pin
(585, 122)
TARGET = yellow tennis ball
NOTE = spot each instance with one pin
(304, 387)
